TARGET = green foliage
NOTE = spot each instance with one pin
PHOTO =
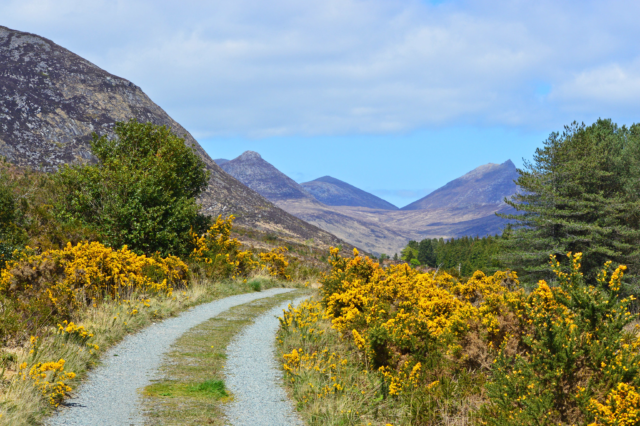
(468, 254)
(410, 251)
(10, 234)
(142, 193)
(27, 216)
(426, 253)
(581, 193)
(211, 388)
(575, 351)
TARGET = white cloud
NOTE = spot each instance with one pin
(283, 67)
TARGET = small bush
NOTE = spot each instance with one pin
(218, 254)
(256, 285)
(276, 262)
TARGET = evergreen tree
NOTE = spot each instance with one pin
(426, 253)
(581, 193)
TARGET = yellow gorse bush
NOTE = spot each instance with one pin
(94, 269)
(220, 253)
(621, 408)
(50, 378)
(54, 284)
(557, 355)
(392, 313)
(298, 365)
(276, 262)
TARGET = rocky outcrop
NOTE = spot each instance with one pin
(52, 100)
(262, 177)
(334, 192)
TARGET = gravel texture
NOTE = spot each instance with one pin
(254, 376)
(110, 395)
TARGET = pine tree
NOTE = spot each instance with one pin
(426, 253)
(581, 193)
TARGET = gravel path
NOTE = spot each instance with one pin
(110, 396)
(254, 376)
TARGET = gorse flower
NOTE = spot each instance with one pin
(557, 355)
(220, 253)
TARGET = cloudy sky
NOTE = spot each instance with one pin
(397, 97)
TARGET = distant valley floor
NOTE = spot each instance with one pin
(388, 231)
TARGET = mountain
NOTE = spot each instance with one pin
(334, 192)
(487, 184)
(374, 229)
(52, 100)
(262, 177)
(220, 161)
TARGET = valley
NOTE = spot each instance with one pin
(466, 206)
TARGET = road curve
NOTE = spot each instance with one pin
(109, 395)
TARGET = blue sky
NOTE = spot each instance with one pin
(397, 97)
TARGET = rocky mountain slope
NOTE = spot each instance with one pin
(334, 192)
(487, 184)
(52, 100)
(262, 177)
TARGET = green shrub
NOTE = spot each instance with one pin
(142, 193)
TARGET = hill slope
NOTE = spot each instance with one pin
(487, 184)
(52, 100)
(334, 192)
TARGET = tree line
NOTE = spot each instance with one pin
(464, 255)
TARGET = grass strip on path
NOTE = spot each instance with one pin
(191, 388)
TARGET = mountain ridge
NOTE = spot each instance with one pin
(486, 184)
(382, 230)
(334, 192)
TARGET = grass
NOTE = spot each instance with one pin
(110, 321)
(191, 390)
(208, 389)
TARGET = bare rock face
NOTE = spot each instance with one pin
(262, 177)
(487, 184)
(52, 100)
(334, 192)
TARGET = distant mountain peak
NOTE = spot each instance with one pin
(334, 192)
(261, 176)
(486, 184)
(249, 156)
